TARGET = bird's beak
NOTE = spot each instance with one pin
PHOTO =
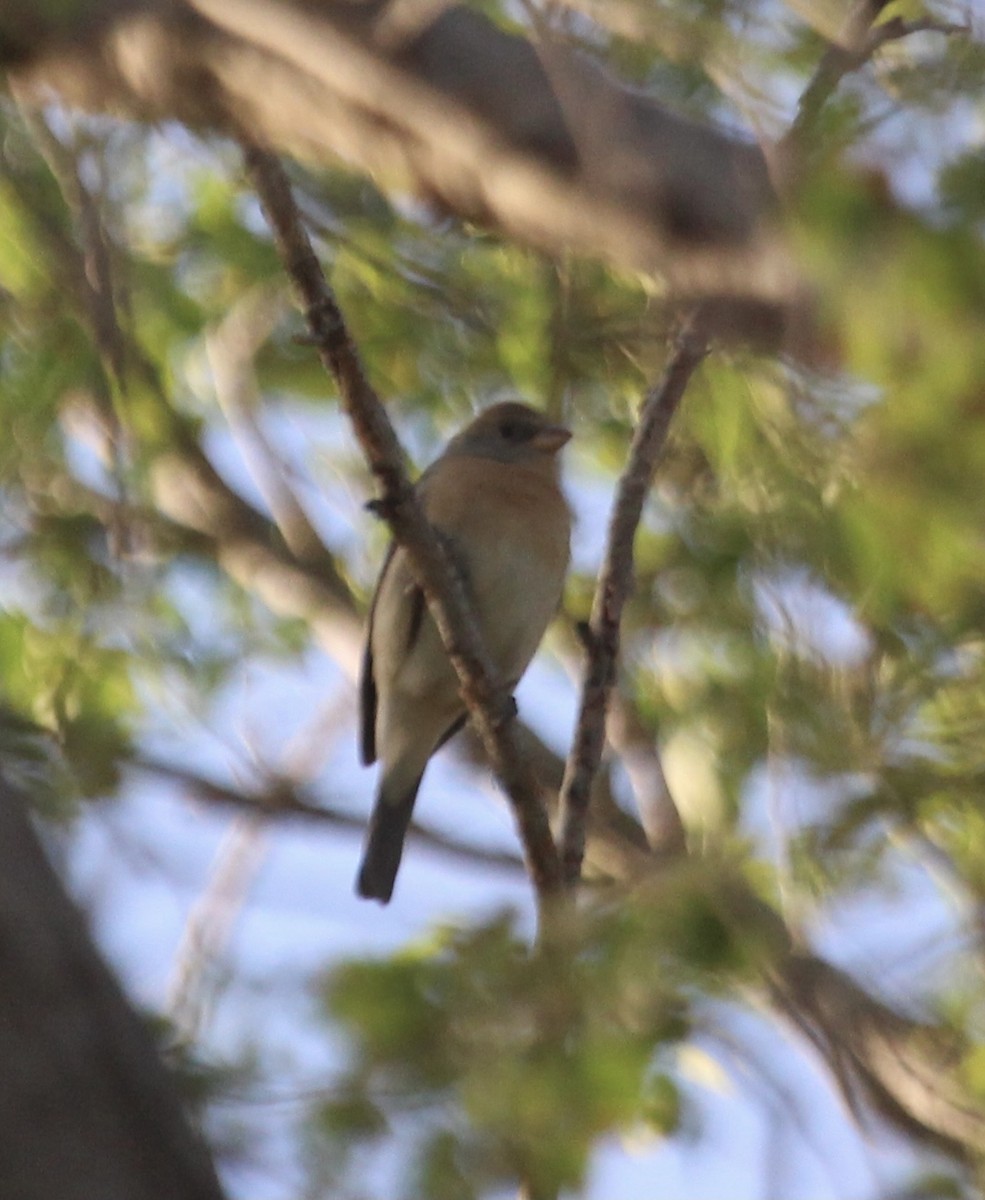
(551, 438)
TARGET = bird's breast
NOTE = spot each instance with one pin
(513, 535)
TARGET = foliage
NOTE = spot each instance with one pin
(478, 1037)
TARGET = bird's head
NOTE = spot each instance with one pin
(511, 432)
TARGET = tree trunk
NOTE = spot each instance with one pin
(87, 1110)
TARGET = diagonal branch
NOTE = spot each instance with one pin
(612, 591)
(231, 345)
(205, 938)
(859, 42)
(632, 741)
(489, 703)
(908, 1071)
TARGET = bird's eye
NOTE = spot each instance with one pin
(511, 431)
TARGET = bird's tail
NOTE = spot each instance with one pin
(385, 841)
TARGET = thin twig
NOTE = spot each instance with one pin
(633, 744)
(612, 591)
(232, 345)
(488, 701)
(282, 799)
(207, 932)
(856, 47)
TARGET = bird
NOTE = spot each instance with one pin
(494, 497)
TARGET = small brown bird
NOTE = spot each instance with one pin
(495, 496)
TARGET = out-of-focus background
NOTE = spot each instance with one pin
(186, 562)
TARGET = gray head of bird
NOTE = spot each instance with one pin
(510, 432)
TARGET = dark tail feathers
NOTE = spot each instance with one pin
(385, 845)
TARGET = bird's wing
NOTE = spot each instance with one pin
(400, 601)
(367, 682)
(403, 603)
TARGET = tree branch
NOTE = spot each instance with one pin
(634, 743)
(489, 704)
(282, 799)
(612, 591)
(231, 345)
(908, 1071)
(209, 926)
(859, 42)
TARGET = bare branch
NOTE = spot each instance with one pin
(231, 346)
(908, 1071)
(281, 799)
(210, 924)
(859, 42)
(636, 746)
(612, 591)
